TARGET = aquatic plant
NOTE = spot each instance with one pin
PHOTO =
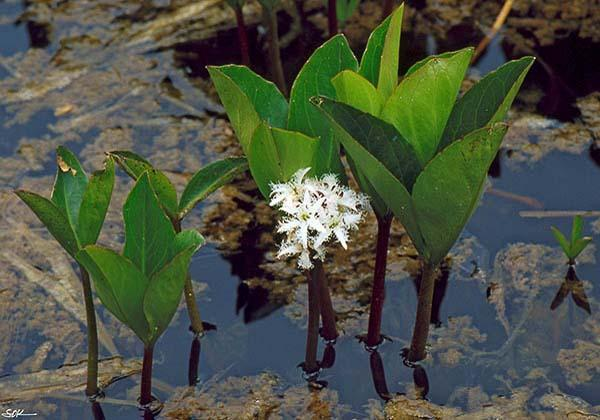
(424, 152)
(142, 287)
(203, 183)
(315, 212)
(278, 138)
(571, 285)
(575, 245)
(74, 216)
(237, 6)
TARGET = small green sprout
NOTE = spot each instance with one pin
(203, 183)
(142, 287)
(423, 151)
(74, 216)
(576, 244)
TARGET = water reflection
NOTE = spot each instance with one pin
(574, 286)
(420, 379)
(97, 412)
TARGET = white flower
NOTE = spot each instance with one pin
(315, 211)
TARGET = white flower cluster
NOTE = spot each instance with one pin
(314, 212)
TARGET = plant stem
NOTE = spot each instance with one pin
(242, 35)
(92, 334)
(384, 224)
(270, 17)
(329, 331)
(97, 412)
(190, 297)
(312, 333)
(425, 299)
(194, 362)
(332, 17)
(146, 384)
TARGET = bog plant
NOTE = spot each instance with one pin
(142, 286)
(203, 183)
(575, 245)
(422, 150)
(281, 138)
(74, 216)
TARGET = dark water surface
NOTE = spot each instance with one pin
(503, 349)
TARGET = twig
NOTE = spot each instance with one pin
(495, 28)
(528, 201)
(559, 213)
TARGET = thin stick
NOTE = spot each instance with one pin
(190, 297)
(312, 334)
(146, 383)
(384, 225)
(559, 213)
(92, 335)
(495, 28)
(528, 201)
(329, 331)
(332, 17)
(425, 300)
(242, 35)
(270, 17)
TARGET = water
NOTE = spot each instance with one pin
(498, 335)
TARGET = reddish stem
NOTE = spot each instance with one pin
(421, 330)
(242, 35)
(146, 384)
(332, 18)
(312, 334)
(329, 331)
(384, 224)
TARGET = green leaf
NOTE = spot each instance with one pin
(353, 89)
(120, 286)
(94, 204)
(486, 102)
(69, 185)
(314, 79)
(388, 70)
(184, 240)
(576, 229)
(53, 218)
(165, 192)
(276, 154)
(148, 231)
(374, 152)
(447, 192)
(166, 286)
(562, 241)
(248, 99)
(424, 61)
(263, 159)
(421, 104)
(209, 179)
(579, 245)
(377, 203)
(134, 165)
(345, 9)
(379, 138)
(371, 59)
(296, 151)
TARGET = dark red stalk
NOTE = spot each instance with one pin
(194, 362)
(378, 375)
(146, 384)
(424, 304)
(270, 17)
(332, 17)
(329, 330)
(384, 224)
(242, 35)
(312, 334)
